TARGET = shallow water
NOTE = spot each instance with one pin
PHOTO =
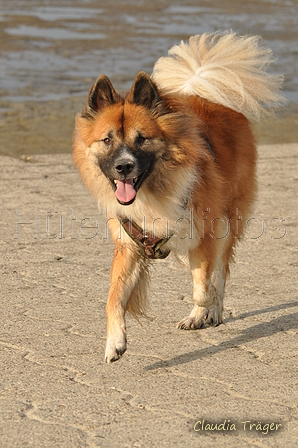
(51, 51)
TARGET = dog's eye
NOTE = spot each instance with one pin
(140, 140)
(107, 141)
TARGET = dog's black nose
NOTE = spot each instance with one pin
(124, 166)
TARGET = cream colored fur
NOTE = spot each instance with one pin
(224, 68)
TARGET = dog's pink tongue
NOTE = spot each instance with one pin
(125, 191)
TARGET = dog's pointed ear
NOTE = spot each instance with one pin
(143, 91)
(101, 94)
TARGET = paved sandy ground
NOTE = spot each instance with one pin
(56, 390)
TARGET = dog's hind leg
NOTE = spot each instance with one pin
(210, 266)
(128, 280)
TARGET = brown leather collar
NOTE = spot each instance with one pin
(149, 244)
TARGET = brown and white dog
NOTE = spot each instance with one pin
(174, 164)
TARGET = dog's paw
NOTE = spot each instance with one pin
(199, 317)
(192, 322)
(116, 346)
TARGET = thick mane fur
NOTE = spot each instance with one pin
(224, 68)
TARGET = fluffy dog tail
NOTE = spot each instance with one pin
(225, 69)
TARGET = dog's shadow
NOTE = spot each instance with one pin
(259, 331)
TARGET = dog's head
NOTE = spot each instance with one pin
(134, 141)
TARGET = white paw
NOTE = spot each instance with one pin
(201, 316)
(116, 345)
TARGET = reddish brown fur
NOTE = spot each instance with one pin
(177, 130)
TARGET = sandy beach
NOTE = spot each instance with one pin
(230, 386)
(171, 386)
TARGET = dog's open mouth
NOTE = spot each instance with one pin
(126, 190)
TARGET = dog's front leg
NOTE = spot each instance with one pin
(208, 299)
(125, 278)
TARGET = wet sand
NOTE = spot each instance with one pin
(46, 127)
(51, 54)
